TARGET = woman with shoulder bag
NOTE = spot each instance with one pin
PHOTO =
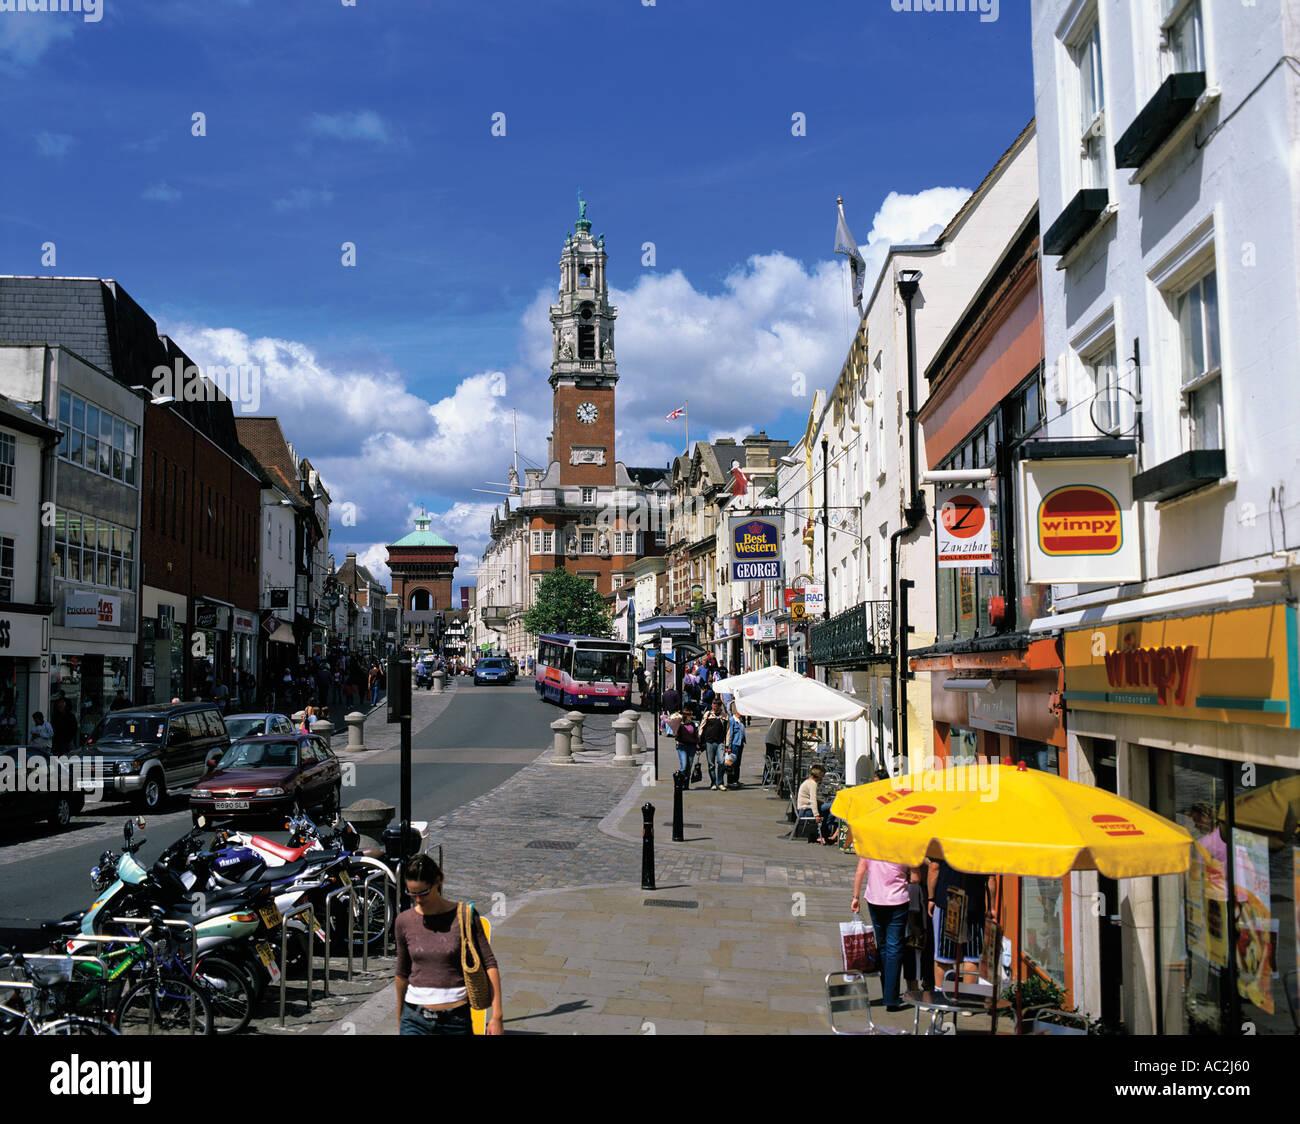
(688, 743)
(439, 969)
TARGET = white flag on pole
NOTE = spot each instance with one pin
(844, 244)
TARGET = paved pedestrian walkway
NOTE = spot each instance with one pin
(736, 938)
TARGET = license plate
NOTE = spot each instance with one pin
(270, 914)
(345, 878)
(232, 805)
(309, 919)
(265, 953)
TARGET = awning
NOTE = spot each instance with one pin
(282, 635)
(775, 692)
(989, 685)
(1211, 596)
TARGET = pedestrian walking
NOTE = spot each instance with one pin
(220, 695)
(688, 742)
(432, 991)
(713, 734)
(735, 746)
(64, 724)
(887, 902)
(42, 731)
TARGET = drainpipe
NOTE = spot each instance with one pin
(909, 283)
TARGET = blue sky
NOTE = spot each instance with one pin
(372, 124)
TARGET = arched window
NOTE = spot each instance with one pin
(420, 600)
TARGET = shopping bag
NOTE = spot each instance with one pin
(858, 941)
(697, 774)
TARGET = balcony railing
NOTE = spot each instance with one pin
(862, 634)
(497, 614)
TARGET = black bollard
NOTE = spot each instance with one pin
(648, 846)
(679, 779)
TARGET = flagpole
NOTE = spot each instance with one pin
(686, 417)
(848, 290)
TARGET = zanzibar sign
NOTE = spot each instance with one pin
(755, 549)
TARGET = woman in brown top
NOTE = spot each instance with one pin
(431, 996)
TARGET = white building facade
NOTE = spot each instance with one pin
(1170, 197)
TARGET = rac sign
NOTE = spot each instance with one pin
(1079, 520)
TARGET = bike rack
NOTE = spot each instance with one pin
(351, 895)
(306, 907)
(365, 918)
(169, 923)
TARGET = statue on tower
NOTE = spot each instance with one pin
(582, 212)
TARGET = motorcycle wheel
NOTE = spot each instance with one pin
(230, 994)
(372, 902)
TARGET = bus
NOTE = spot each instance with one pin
(584, 670)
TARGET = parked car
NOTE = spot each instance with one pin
(494, 670)
(49, 802)
(271, 774)
(249, 725)
(150, 752)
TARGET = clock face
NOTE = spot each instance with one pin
(587, 413)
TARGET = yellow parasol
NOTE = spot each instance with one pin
(1008, 819)
(991, 818)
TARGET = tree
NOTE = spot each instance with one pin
(568, 603)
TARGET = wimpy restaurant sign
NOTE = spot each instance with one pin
(1078, 522)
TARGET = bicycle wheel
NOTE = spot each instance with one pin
(76, 1025)
(164, 1005)
(229, 992)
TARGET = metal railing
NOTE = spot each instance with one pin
(351, 895)
(306, 907)
(863, 634)
(365, 917)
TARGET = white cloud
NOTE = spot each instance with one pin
(161, 193)
(53, 144)
(304, 199)
(26, 36)
(364, 125)
(375, 559)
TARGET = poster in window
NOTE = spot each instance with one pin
(1255, 952)
(1216, 918)
(954, 916)
(990, 958)
(1194, 898)
(966, 594)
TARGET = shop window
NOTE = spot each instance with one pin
(1230, 970)
(1043, 899)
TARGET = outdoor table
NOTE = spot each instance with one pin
(959, 1004)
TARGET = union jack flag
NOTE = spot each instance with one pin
(675, 414)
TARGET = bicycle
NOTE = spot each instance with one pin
(164, 1001)
(19, 1019)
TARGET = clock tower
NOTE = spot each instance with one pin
(583, 368)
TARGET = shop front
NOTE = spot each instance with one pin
(243, 657)
(91, 654)
(209, 647)
(1197, 718)
(162, 646)
(24, 658)
(1005, 705)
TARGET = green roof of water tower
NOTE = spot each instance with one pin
(422, 536)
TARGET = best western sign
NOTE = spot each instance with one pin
(755, 549)
(1079, 523)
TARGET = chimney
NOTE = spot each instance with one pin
(756, 450)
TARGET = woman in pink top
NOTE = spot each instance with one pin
(887, 900)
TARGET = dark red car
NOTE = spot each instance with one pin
(269, 775)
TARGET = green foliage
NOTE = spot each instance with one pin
(568, 603)
(1038, 992)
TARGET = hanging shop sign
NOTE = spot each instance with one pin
(91, 610)
(964, 536)
(1079, 522)
(751, 627)
(814, 600)
(755, 549)
(1229, 667)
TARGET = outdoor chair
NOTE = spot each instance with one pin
(947, 986)
(847, 991)
(803, 826)
(1048, 1021)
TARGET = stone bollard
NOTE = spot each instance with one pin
(356, 730)
(439, 681)
(635, 715)
(577, 718)
(624, 724)
(561, 752)
(323, 729)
